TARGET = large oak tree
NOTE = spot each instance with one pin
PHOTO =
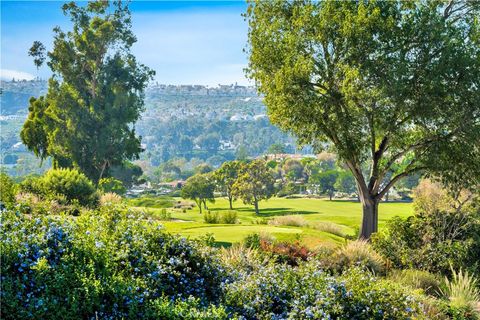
(95, 95)
(391, 86)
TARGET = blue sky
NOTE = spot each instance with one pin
(191, 42)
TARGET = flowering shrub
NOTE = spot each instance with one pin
(105, 264)
(112, 263)
(305, 292)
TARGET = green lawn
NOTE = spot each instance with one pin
(345, 214)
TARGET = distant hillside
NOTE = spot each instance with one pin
(188, 121)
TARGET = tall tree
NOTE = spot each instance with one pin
(225, 177)
(199, 188)
(388, 85)
(95, 95)
(254, 183)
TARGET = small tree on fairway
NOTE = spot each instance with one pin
(95, 95)
(325, 181)
(255, 182)
(199, 188)
(345, 182)
(388, 85)
(225, 177)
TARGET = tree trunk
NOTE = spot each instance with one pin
(255, 203)
(205, 204)
(199, 204)
(370, 217)
(330, 195)
(230, 202)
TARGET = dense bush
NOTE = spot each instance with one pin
(72, 184)
(211, 217)
(229, 217)
(104, 264)
(433, 242)
(7, 191)
(66, 186)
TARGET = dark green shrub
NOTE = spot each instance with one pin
(111, 185)
(252, 241)
(434, 242)
(8, 189)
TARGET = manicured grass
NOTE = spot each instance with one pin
(346, 214)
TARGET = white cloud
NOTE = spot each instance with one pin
(6, 74)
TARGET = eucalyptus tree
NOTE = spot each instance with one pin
(95, 95)
(388, 85)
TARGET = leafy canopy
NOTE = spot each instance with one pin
(254, 183)
(199, 188)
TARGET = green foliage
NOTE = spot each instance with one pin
(293, 169)
(8, 189)
(70, 183)
(373, 82)
(229, 217)
(254, 183)
(95, 94)
(326, 182)
(128, 173)
(276, 148)
(211, 217)
(252, 241)
(432, 242)
(417, 279)
(345, 182)
(225, 177)
(199, 188)
(357, 253)
(111, 185)
(225, 217)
